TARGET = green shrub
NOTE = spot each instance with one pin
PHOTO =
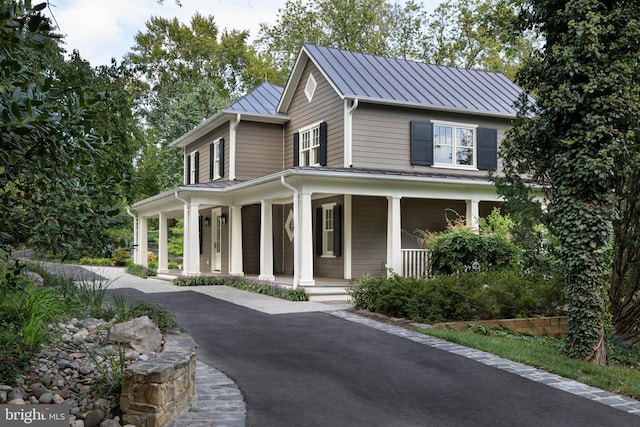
(468, 296)
(246, 284)
(106, 262)
(365, 292)
(141, 271)
(120, 257)
(459, 250)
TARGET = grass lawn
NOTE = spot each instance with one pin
(544, 353)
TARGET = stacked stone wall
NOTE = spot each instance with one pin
(159, 389)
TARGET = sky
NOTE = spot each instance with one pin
(105, 29)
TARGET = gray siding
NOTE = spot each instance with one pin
(369, 231)
(327, 106)
(258, 150)
(381, 137)
(202, 146)
(427, 215)
(327, 267)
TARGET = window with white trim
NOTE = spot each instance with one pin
(310, 146)
(328, 225)
(194, 167)
(217, 159)
(454, 144)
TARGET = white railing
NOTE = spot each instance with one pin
(415, 263)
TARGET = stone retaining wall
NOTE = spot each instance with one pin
(553, 326)
(156, 390)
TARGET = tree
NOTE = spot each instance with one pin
(51, 196)
(577, 140)
(477, 34)
(377, 27)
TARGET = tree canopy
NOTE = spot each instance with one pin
(578, 141)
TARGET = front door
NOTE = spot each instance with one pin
(216, 262)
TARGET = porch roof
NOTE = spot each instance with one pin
(344, 175)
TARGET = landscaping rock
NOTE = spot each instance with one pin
(35, 278)
(94, 418)
(15, 393)
(140, 334)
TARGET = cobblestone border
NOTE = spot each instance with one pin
(616, 401)
(218, 403)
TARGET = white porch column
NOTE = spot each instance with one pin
(163, 248)
(194, 241)
(306, 241)
(185, 240)
(394, 236)
(266, 241)
(473, 214)
(235, 258)
(142, 241)
(347, 249)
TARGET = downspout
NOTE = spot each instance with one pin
(185, 246)
(135, 234)
(232, 148)
(296, 232)
(349, 147)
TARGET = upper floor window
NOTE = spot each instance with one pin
(193, 168)
(310, 145)
(455, 145)
(216, 159)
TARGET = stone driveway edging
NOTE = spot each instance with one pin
(616, 401)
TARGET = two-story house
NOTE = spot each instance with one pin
(329, 176)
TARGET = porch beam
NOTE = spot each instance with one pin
(235, 250)
(142, 241)
(266, 241)
(305, 234)
(394, 236)
(473, 213)
(163, 247)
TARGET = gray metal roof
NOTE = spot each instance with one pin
(261, 100)
(382, 79)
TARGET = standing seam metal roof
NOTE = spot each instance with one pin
(261, 100)
(406, 81)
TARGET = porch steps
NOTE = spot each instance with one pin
(166, 276)
(327, 293)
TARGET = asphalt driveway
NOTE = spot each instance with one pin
(314, 369)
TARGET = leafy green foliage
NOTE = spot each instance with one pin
(141, 271)
(120, 257)
(246, 284)
(460, 250)
(576, 141)
(468, 296)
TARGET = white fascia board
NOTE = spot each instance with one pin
(203, 128)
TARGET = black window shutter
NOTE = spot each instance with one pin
(200, 232)
(211, 161)
(296, 149)
(196, 167)
(421, 143)
(188, 169)
(337, 230)
(323, 144)
(319, 231)
(487, 149)
(221, 157)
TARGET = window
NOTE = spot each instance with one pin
(310, 88)
(193, 168)
(310, 145)
(216, 160)
(327, 229)
(453, 145)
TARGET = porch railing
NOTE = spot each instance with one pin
(415, 263)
